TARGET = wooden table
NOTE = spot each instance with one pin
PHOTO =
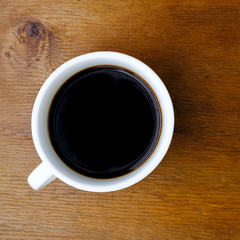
(194, 46)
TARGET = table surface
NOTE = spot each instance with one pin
(193, 45)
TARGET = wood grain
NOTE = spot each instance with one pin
(194, 47)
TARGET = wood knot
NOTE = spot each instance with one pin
(31, 32)
(33, 42)
(7, 54)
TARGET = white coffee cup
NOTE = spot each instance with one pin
(53, 167)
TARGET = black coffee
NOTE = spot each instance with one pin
(104, 122)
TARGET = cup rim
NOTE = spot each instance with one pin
(40, 115)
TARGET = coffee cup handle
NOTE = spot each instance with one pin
(41, 176)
